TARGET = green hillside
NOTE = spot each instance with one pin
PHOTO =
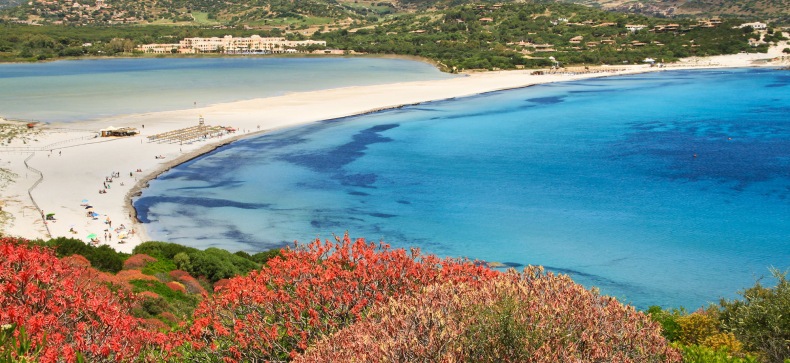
(305, 14)
(525, 35)
(762, 10)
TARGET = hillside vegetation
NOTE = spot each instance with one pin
(463, 37)
(346, 300)
(536, 35)
(762, 10)
(308, 14)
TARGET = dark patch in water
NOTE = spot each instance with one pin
(361, 194)
(144, 204)
(547, 100)
(235, 234)
(221, 184)
(738, 154)
(382, 215)
(597, 280)
(358, 180)
(332, 160)
(403, 202)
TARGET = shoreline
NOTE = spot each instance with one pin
(62, 188)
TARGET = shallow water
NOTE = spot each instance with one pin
(669, 188)
(88, 89)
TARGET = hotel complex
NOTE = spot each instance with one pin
(230, 45)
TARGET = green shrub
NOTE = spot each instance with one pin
(182, 261)
(153, 306)
(178, 303)
(668, 320)
(703, 354)
(103, 257)
(68, 246)
(159, 266)
(697, 327)
(265, 256)
(216, 264)
(161, 250)
(762, 319)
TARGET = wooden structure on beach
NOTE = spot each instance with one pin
(189, 134)
(118, 131)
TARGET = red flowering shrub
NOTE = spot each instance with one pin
(76, 260)
(176, 286)
(63, 312)
(137, 262)
(310, 292)
(529, 317)
(169, 317)
(192, 285)
(130, 275)
(155, 325)
(221, 284)
(178, 274)
(148, 295)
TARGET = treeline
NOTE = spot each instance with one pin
(29, 43)
(505, 36)
(528, 35)
(212, 264)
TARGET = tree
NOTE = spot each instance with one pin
(761, 320)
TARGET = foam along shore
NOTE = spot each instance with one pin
(60, 170)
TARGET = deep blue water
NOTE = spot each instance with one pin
(669, 188)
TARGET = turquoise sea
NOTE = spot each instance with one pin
(669, 188)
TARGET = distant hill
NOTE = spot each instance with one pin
(312, 14)
(256, 13)
(9, 3)
(764, 10)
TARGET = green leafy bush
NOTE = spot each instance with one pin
(762, 319)
(703, 354)
(103, 257)
(668, 320)
(162, 249)
(215, 264)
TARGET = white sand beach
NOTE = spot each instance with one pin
(62, 167)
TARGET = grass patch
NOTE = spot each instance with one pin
(161, 265)
(178, 303)
(201, 18)
(16, 132)
(162, 290)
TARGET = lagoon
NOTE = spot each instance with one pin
(79, 90)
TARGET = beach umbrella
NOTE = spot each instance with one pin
(84, 201)
(92, 236)
(94, 214)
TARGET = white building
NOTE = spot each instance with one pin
(633, 28)
(755, 25)
(253, 44)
